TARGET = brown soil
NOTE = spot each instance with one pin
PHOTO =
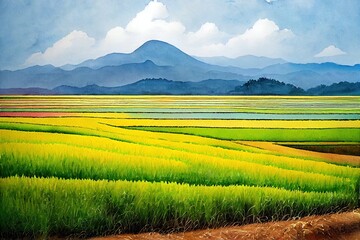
(346, 149)
(344, 226)
(327, 157)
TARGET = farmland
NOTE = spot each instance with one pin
(96, 165)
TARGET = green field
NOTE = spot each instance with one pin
(88, 166)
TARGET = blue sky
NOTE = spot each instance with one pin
(70, 31)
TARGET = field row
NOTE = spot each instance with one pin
(191, 115)
(135, 158)
(266, 134)
(47, 206)
(165, 104)
(121, 120)
(66, 172)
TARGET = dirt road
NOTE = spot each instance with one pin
(343, 226)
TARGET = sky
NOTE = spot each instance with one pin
(40, 32)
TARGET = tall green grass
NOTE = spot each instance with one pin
(103, 179)
(68, 161)
(36, 207)
(266, 134)
(170, 146)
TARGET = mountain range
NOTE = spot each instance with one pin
(246, 62)
(160, 60)
(262, 86)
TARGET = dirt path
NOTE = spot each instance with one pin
(344, 226)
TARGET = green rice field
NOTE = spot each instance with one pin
(98, 165)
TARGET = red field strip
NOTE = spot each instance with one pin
(35, 114)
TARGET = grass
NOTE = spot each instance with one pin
(88, 173)
(73, 162)
(46, 206)
(187, 149)
(265, 134)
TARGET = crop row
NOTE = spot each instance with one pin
(50, 206)
(135, 162)
(89, 121)
(171, 141)
(120, 111)
(170, 146)
(266, 134)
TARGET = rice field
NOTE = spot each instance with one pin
(98, 165)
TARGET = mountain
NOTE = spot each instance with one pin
(244, 62)
(262, 86)
(159, 52)
(265, 86)
(36, 76)
(163, 86)
(145, 86)
(157, 87)
(157, 59)
(327, 67)
(26, 91)
(339, 89)
(107, 76)
(154, 59)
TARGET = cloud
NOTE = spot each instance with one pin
(77, 46)
(72, 48)
(264, 38)
(330, 51)
(270, 1)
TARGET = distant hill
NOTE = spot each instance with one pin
(244, 62)
(26, 91)
(163, 86)
(265, 86)
(143, 87)
(107, 76)
(287, 68)
(311, 74)
(336, 89)
(262, 86)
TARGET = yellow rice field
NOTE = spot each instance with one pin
(126, 171)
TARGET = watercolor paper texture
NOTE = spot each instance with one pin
(168, 116)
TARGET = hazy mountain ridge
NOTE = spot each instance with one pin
(160, 53)
(156, 59)
(145, 86)
(109, 76)
(262, 86)
(341, 88)
(245, 62)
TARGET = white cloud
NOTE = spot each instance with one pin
(148, 24)
(72, 48)
(270, 1)
(264, 38)
(330, 51)
(208, 32)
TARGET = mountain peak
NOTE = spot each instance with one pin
(156, 44)
(163, 54)
(156, 47)
(149, 62)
